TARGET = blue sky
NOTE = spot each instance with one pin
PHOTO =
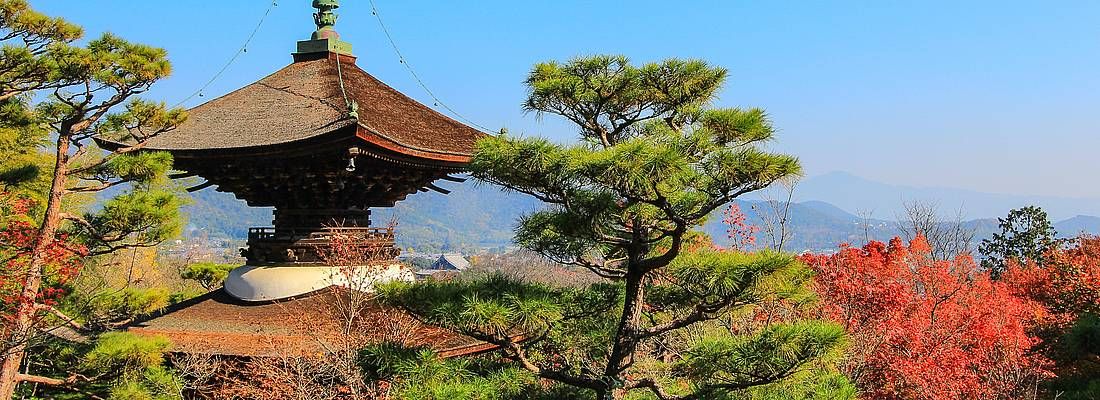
(997, 96)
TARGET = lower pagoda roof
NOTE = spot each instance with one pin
(305, 100)
(219, 324)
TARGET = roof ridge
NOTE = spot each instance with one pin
(410, 99)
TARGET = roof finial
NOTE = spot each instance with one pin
(324, 39)
(325, 18)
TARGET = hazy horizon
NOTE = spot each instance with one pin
(984, 96)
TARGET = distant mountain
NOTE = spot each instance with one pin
(220, 215)
(857, 195)
(478, 216)
(814, 225)
(1078, 224)
(472, 216)
(827, 209)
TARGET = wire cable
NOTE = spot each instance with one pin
(352, 107)
(242, 50)
(401, 59)
(340, 78)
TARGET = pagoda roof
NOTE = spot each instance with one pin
(303, 101)
(218, 324)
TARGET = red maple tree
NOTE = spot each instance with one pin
(926, 329)
(1068, 283)
(17, 237)
(741, 234)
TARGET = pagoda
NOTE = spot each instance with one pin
(323, 142)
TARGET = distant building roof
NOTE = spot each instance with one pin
(218, 324)
(451, 261)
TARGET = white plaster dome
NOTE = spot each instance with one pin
(266, 283)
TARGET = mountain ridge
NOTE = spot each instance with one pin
(856, 195)
(476, 216)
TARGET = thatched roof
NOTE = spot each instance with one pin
(304, 100)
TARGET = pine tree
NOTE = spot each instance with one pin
(654, 162)
(87, 92)
(27, 63)
(1026, 236)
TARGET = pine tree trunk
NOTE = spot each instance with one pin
(23, 325)
(626, 338)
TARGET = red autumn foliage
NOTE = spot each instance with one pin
(741, 234)
(17, 236)
(925, 329)
(1069, 283)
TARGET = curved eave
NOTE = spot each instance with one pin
(372, 136)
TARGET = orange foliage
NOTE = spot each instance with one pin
(1069, 284)
(925, 329)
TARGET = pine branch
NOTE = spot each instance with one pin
(113, 248)
(555, 375)
(45, 380)
(66, 383)
(656, 389)
(97, 188)
(701, 312)
(601, 270)
(64, 318)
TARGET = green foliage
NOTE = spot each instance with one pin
(1084, 337)
(494, 306)
(109, 62)
(587, 89)
(571, 325)
(154, 384)
(654, 161)
(55, 97)
(1080, 346)
(421, 374)
(17, 17)
(27, 54)
(1026, 235)
(102, 309)
(817, 384)
(140, 120)
(126, 353)
(573, 321)
(729, 363)
(88, 83)
(137, 362)
(728, 278)
(143, 169)
(138, 218)
(23, 166)
(208, 274)
(121, 364)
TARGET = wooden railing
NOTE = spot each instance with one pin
(267, 233)
(268, 245)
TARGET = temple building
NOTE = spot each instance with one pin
(323, 142)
